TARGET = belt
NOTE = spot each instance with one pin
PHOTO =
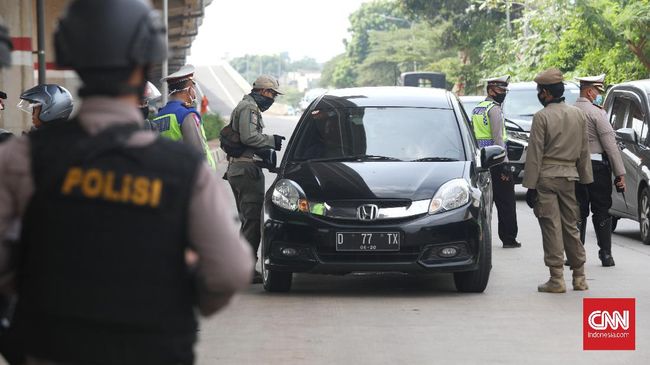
(596, 156)
(554, 161)
(240, 159)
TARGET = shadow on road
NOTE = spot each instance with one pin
(373, 285)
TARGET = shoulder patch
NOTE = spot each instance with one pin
(253, 117)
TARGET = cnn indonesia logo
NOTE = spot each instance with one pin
(608, 324)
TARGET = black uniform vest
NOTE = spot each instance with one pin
(102, 278)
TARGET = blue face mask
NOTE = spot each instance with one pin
(598, 100)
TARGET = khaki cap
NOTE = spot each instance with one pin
(267, 82)
(549, 77)
(501, 81)
(592, 81)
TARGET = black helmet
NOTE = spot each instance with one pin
(5, 45)
(109, 34)
(55, 102)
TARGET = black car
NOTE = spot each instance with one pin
(628, 109)
(385, 179)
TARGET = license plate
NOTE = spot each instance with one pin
(367, 241)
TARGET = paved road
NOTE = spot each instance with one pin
(223, 91)
(390, 319)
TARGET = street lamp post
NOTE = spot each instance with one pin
(410, 23)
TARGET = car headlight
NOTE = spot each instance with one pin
(524, 136)
(288, 195)
(451, 195)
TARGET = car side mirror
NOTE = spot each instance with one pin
(265, 158)
(627, 135)
(492, 155)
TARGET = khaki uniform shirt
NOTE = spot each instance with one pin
(247, 120)
(601, 135)
(558, 146)
(225, 263)
(496, 123)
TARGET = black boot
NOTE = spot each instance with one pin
(604, 237)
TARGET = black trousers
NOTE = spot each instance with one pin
(597, 195)
(503, 189)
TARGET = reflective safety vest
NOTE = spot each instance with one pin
(481, 121)
(169, 121)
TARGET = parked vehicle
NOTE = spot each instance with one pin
(423, 79)
(381, 179)
(628, 109)
(470, 102)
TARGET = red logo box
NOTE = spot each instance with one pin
(608, 323)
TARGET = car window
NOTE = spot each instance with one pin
(619, 108)
(524, 102)
(636, 122)
(400, 133)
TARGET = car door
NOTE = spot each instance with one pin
(627, 112)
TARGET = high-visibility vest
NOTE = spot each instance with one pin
(169, 121)
(481, 121)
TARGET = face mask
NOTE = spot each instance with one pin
(145, 111)
(263, 102)
(541, 99)
(499, 98)
(598, 101)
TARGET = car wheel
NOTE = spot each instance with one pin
(614, 223)
(644, 216)
(276, 281)
(476, 281)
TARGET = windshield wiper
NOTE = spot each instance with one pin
(355, 158)
(435, 159)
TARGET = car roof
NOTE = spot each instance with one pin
(472, 98)
(639, 84)
(399, 96)
(531, 85)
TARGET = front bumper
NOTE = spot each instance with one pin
(312, 239)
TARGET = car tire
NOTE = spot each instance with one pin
(614, 222)
(644, 216)
(476, 281)
(276, 281)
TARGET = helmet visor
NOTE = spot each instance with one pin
(27, 106)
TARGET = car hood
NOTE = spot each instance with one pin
(328, 181)
(523, 122)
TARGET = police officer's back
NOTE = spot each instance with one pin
(110, 212)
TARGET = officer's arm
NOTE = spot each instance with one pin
(191, 129)
(535, 152)
(248, 133)
(496, 124)
(225, 263)
(608, 141)
(584, 163)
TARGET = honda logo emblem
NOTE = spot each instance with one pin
(367, 212)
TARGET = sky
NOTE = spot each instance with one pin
(312, 28)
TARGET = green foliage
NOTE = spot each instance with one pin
(212, 124)
(291, 96)
(251, 66)
(470, 40)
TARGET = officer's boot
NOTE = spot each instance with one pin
(579, 279)
(555, 283)
(582, 228)
(604, 237)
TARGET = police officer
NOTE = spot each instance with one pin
(47, 103)
(558, 155)
(605, 158)
(179, 120)
(245, 178)
(489, 129)
(123, 232)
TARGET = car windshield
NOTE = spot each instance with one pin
(525, 103)
(380, 134)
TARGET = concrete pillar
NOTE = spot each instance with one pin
(19, 18)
